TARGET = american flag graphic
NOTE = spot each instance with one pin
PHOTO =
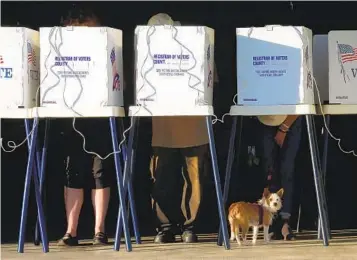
(31, 54)
(210, 76)
(1, 60)
(309, 78)
(347, 53)
(116, 79)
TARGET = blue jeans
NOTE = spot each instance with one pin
(279, 163)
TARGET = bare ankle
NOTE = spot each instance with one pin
(72, 233)
(99, 229)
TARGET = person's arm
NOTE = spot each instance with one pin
(285, 126)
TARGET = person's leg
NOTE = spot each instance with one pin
(164, 167)
(100, 198)
(287, 168)
(192, 172)
(269, 165)
(269, 156)
(73, 198)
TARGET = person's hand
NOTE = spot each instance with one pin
(280, 138)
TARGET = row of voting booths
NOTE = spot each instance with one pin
(281, 70)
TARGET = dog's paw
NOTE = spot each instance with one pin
(254, 242)
(239, 242)
(245, 242)
(232, 238)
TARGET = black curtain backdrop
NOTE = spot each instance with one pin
(246, 182)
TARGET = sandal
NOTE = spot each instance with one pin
(100, 238)
(68, 240)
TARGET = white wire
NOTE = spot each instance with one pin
(216, 119)
(112, 153)
(187, 71)
(79, 132)
(338, 140)
(314, 84)
(12, 144)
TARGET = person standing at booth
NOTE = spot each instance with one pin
(84, 170)
(281, 142)
(180, 153)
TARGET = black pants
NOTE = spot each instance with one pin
(279, 163)
(177, 191)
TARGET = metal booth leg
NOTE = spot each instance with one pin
(29, 173)
(36, 169)
(42, 173)
(128, 154)
(217, 181)
(230, 160)
(132, 163)
(324, 169)
(121, 192)
(318, 179)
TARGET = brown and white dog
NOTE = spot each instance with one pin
(244, 215)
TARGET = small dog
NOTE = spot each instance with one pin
(244, 215)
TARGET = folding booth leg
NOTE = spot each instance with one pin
(230, 160)
(217, 181)
(29, 172)
(128, 172)
(318, 180)
(42, 173)
(324, 170)
(121, 192)
(36, 170)
(298, 220)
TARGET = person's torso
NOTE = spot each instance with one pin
(179, 132)
(96, 132)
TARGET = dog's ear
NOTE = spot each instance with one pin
(280, 192)
(266, 193)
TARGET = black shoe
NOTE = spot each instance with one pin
(164, 237)
(100, 239)
(68, 240)
(189, 237)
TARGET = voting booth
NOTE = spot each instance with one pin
(320, 65)
(342, 53)
(274, 65)
(19, 67)
(174, 66)
(81, 67)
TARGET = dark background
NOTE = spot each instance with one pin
(246, 183)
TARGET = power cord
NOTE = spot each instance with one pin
(151, 30)
(74, 118)
(56, 49)
(315, 86)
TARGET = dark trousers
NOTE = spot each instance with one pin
(177, 191)
(279, 163)
(87, 171)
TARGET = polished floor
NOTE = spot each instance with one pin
(342, 246)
